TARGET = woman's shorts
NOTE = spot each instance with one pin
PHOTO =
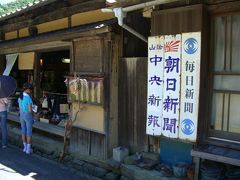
(26, 120)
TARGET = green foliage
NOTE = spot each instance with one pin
(13, 6)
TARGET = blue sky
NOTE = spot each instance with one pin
(5, 1)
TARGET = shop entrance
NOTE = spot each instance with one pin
(54, 66)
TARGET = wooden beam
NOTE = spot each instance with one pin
(16, 26)
(73, 2)
(225, 7)
(87, 6)
(217, 1)
(217, 158)
(54, 40)
(197, 163)
(36, 47)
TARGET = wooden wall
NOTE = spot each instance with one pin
(177, 20)
(87, 143)
(88, 55)
(192, 18)
(133, 77)
(98, 55)
(132, 103)
(133, 46)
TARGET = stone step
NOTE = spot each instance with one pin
(40, 143)
(136, 173)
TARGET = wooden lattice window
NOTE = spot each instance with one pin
(225, 106)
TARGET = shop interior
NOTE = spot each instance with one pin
(52, 103)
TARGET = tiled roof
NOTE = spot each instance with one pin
(24, 9)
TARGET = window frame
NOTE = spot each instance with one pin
(219, 137)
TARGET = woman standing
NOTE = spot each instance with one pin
(3, 120)
(25, 107)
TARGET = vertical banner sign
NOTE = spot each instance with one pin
(171, 89)
(155, 85)
(190, 82)
(173, 85)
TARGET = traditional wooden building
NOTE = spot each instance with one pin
(218, 126)
(217, 137)
(60, 44)
(111, 66)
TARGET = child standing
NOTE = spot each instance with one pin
(26, 118)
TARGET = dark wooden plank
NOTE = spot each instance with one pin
(197, 162)
(132, 103)
(73, 2)
(79, 141)
(204, 77)
(74, 135)
(123, 105)
(133, 46)
(37, 86)
(217, 1)
(131, 67)
(111, 65)
(88, 55)
(97, 145)
(141, 101)
(229, 7)
(38, 46)
(87, 143)
(177, 20)
(2, 63)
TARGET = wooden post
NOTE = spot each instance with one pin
(197, 162)
(2, 63)
(37, 76)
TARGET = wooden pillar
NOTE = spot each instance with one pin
(72, 58)
(2, 63)
(112, 54)
(36, 77)
(197, 162)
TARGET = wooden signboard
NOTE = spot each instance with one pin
(176, 104)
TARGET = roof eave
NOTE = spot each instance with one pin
(26, 9)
